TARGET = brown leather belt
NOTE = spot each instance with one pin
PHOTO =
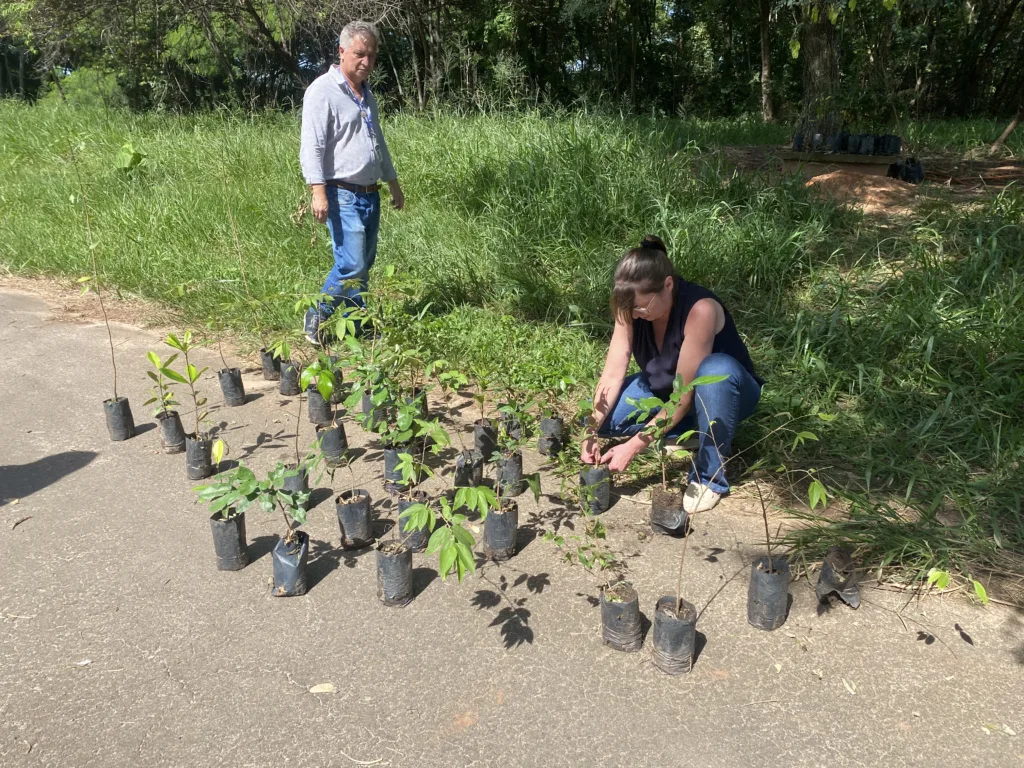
(353, 187)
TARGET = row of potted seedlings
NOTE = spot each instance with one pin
(407, 434)
(388, 396)
(394, 407)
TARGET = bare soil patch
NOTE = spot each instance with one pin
(870, 194)
(69, 305)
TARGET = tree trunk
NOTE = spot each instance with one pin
(1006, 134)
(286, 59)
(632, 59)
(22, 89)
(60, 88)
(394, 71)
(976, 71)
(819, 51)
(767, 112)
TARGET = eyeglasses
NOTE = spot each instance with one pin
(645, 310)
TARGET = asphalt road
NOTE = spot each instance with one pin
(122, 645)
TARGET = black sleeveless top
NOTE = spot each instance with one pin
(661, 368)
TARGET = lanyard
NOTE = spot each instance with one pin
(364, 110)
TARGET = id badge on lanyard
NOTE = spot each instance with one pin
(364, 113)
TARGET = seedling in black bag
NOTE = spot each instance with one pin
(172, 434)
(201, 451)
(118, 412)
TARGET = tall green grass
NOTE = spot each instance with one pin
(910, 334)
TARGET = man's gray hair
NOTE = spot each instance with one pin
(358, 28)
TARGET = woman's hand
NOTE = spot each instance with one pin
(591, 453)
(618, 458)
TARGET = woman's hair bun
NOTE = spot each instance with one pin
(654, 243)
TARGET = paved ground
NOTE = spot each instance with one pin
(120, 644)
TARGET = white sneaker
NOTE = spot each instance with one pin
(700, 498)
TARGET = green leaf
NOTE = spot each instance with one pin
(703, 381)
(533, 481)
(801, 437)
(411, 510)
(306, 378)
(465, 560)
(218, 504)
(828, 416)
(128, 158)
(442, 537)
(852, 5)
(447, 559)
(218, 451)
(833, 14)
(154, 358)
(173, 375)
(463, 536)
(325, 386)
(979, 591)
(939, 578)
(794, 49)
(816, 494)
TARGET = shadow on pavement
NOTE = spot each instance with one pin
(264, 439)
(260, 546)
(699, 641)
(421, 579)
(513, 620)
(324, 558)
(318, 496)
(20, 480)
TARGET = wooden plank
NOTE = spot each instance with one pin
(810, 170)
(837, 157)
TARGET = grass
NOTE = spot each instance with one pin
(910, 334)
(957, 136)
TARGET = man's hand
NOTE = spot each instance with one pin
(397, 195)
(319, 204)
(590, 453)
(618, 458)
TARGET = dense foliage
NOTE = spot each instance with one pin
(912, 58)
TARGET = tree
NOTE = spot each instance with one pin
(819, 51)
(767, 112)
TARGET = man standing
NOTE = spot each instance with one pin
(343, 155)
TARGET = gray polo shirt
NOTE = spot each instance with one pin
(336, 142)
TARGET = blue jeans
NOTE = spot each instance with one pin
(716, 411)
(353, 219)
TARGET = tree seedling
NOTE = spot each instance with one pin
(92, 282)
(587, 548)
(185, 346)
(448, 381)
(450, 538)
(234, 491)
(320, 374)
(662, 411)
(516, 419)
(555, 392)
(482, 383)
(161, 393)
